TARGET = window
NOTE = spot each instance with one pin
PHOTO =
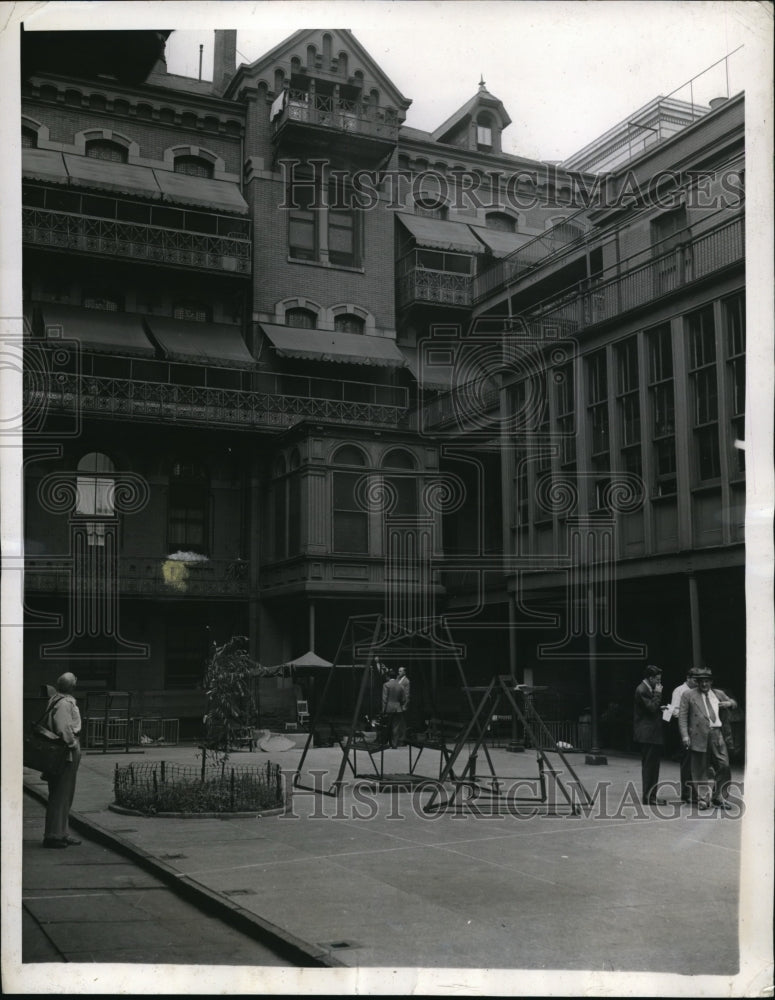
(597, 407)
(403, 486)
(343, 229)
(500, 221)
(430, 207)
(348, 323)
(734, 324)
(566, 416)
(321, 228)
(29, 138)
(628, 404)
(351, 522)
(187, 515)
(186, 655)
(484, 131)
(194, 312)
(104, 149)
(194, 166)
(662, 409)
(94, 485)
(303, 319)
(286, 491)
(704, 392)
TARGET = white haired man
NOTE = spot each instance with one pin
(64, 719)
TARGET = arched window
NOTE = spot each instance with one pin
(95, 488)
(195, 312)
(105, 149)
(303, 319)
(194, 166)
(348, 323)
(404, 486)
(500, 221)
(29, 138)
(187, 509)
(351, 521)
(431, 207)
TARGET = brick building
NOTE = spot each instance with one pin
(290, 360)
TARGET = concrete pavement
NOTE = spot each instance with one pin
(369, 879)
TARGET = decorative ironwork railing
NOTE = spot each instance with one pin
(135, 241)
(423, 285)
(149, 576)
(340, 114)
(88, 394)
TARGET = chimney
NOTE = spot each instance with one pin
(224, 58)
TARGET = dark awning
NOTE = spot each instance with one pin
(432, 377)
(441, 235)
(119, 178)
(97, 329)
(327, 345)
(223, 196)
(204, 343)
(44, 165)
(501, 244)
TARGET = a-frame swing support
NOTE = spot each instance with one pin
(540, 738)
(375, 644)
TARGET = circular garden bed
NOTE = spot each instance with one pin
(159, 788)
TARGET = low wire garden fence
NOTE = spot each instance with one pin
(161, 787)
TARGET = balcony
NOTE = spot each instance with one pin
(693, 258)
(282, 402)
(310, 120)
(434, 277)
(66, 231)
(147, 576)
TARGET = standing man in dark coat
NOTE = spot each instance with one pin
(647, 730)
(393, 698)
(701, 724)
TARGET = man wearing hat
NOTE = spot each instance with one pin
(700, 724)
(647, 730)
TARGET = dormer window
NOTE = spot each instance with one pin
(484, 131)
(194, 166)
(104, 149)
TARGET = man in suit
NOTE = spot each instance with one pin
(403, 680)
(687, 789)
(393, 698)
(647, 730)
(700, 723)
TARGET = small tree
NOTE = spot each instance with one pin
(228, 684)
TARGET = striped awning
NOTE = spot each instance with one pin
(440, 235)
(201, 343)
(328, 345)
(97, 329)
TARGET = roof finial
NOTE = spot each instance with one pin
(481, 81)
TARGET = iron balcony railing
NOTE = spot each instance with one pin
(145, 576)
(116, 397)
(339, 114)
(596, 301)
(135, 241)
(419, 284)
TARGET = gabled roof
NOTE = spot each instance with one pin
(483, 100)
(342, 39)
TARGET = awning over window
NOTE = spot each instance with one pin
(437, 377)
(119, 178)
(203, 343)
(184, 189)
(325, 345)
(501, 244)
(441, 235)
(44, 165)
(98, 329)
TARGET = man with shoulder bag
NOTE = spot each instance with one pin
(63, 718)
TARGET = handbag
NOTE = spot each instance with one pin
(44, 751)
